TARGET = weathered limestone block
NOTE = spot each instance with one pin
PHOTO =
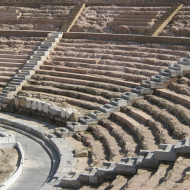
(76, 126)
(146, 159)
(99, 115)
(63, 113)
(16, 101)
(40, 106)
(81, 152)
(28, 103)
(152, 84)
(68, 114)
(22, 101)
(108, 170)
(131, 96)
(34, 105)
(55, 110)
(168, 72)
(108, 108)
(88, 120)
(46, 108)
(183, 146)
(160, 78)
(142, 90)
(118, 102)
(89, 176)
(71, 180)
(165, 153)
(74, 116)
(127, 166)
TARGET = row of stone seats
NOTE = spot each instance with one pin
(73, 76)
(147, 87)
(128, 165)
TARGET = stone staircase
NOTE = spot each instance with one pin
(31, 65)
(164, 20)
(73, 17)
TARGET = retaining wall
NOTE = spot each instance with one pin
(48, 112)
(128, 37)
(36, 3)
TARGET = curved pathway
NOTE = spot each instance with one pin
(37, 163)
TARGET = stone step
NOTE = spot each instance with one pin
(127, 166)
(101, 85)
(107, 171)
(69, 93)
(11, 64)
(73, 101)
(97, 78)
(182, 147)
(13, 56)
(76, 59)
(64, 69)
(71, 180)
(165, 153)
(146, 160)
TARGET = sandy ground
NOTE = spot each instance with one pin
(8, 163)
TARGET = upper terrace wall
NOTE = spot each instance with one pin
(36, 3)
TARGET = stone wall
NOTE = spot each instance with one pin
(34, 108)
(97, 2)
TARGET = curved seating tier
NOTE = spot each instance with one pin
(90, 72)
(145, 123)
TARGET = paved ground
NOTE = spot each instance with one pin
(37, 163)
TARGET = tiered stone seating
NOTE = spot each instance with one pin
(116, 19)
(87, 73)
(92, 71)
(130, 166)
(49, 18)
(172, 117)
(14, 53)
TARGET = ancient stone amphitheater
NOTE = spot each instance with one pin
(95, 94)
